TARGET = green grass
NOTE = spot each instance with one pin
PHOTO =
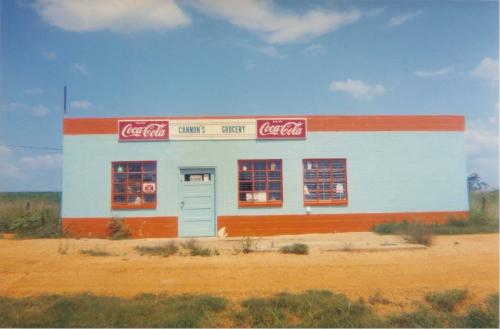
(296, 248)
(447, 300)
(97, 252)
(311, 309)
(477, 222)
(194, 249)
(165, 250)
(30, 214)
(87, 310)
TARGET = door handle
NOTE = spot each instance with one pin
(182, 204)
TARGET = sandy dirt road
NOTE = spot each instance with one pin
(32, 267)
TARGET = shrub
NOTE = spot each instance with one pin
(100, 252)
(422, 317)
(391, 228)
(117, 230)
(90, 311)
(313, 308)
(296, 248)
(486, 317)
(377, 298)
(164, 250)
(196, 250)
(418, 233)
(247, 245)
(446, 301)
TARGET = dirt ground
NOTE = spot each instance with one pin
(357, 264)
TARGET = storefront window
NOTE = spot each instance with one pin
(325, 181)
(260, 183)
(134, 185)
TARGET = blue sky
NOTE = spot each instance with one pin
(207, 57)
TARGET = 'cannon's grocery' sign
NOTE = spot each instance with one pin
(211, 129)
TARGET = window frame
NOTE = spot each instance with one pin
(268, 203)
(144, 205)
(330, 202)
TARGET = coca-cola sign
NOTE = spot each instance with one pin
(143, 130)
(281, 129)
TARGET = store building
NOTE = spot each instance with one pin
(197, 176)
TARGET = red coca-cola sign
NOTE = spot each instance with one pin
(281, 129)
(143, 130)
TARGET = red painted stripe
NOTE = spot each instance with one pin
(140, 227)
(154, 227)
(324, 223)
(92, 126)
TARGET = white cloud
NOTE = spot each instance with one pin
(401, 19)
(314, 49)
(81, 105)
(35, 110)
(433, 73)
(481, 146)
(275, 25)
(44, 161)
(7, 166)
(357, 88)
(33, 91)
(271, 51)
(487, 70)
(113, 15)
(80, 68)
(374, 12)
(249, 65)
(50, 55)
(39, 111)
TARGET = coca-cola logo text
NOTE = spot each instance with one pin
(285, 129)
(143, 130)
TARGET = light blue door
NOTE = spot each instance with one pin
(197, 202)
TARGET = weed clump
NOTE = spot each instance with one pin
(313, 308)
(195, 249)
(418, 233)
(117, 230)
(246, 245)
(98, 252)
(296, 248)
(164, 250)
(446, 301)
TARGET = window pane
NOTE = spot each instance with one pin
(149, 166)
(259, 175)
(120, 177)
(134, 167)
(119, 167)
(274, 175)
(245, 165)
(324, 164)
(119, 198)
(324, 174)
(274, 165)
(150, 197)
(274, 196)
(134, 199)
(245, 186)
(259, 165)
(149, 177)
(119, 188)
(260, 186)
(245, 175)
(310, 175)
(275, 186)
